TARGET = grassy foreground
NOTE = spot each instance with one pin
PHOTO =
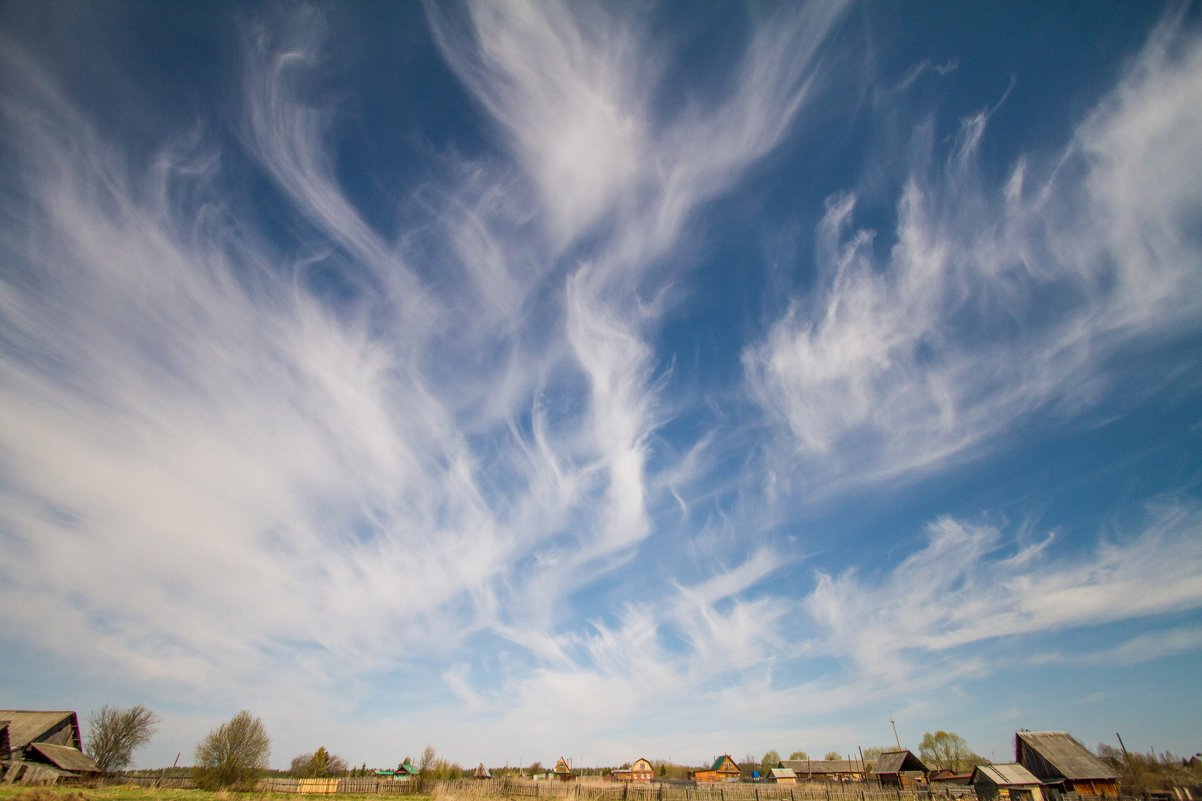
(134, 793)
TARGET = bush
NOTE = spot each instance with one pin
(233, 755)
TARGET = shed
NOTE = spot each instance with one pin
(783, 776)
(481, 772)
(900, 769)
(1063, 764)
(1007, 782)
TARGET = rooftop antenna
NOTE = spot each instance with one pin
(894, 725)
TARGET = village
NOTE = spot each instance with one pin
(44, 748)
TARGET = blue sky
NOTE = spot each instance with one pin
(603, 380)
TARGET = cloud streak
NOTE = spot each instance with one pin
(994, 304)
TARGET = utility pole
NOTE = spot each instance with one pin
(894, 725)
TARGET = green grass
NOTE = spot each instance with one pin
(134, 793)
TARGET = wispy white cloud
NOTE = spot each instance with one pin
(965, 586)
(995, 302)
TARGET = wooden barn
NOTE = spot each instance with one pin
(724, 769)
(1010, 782)
(1063, 765)
(481, 772)
(900, 769)
(825, 770)
(46, 745)
(641, 770)
(563, 771)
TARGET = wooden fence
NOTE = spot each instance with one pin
(519, 790)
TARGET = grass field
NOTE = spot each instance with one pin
(133, 793)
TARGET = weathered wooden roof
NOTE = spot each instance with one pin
(482, 772)
(1060, 750)
(1006, 775)
(783, 773)
(66, 757)
(822, 766)
(25, 726)
(897, 762)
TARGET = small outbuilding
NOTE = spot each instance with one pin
(1008, 782)
(481, 772)
(900, 769)
(783, 776)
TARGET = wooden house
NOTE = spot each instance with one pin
(481, 772)
(563, 771)
(48, 744)
(900, 769)
(1063, 765)
(641, 770)
(1010, 782)
(724, 769)
(825, 770)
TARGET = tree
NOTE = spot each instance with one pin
(320, 764)
(799, 755)
(945, 750)
(234, 754)
(832, 755)
(429, 760)
(115, 733)
(771, 760)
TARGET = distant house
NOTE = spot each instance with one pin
(825, 770)
(782, 776)
(900, 769)
(1010, 782)
(46, 744)
(563, 771)
(1063, 765)
(406, 772)
(641, 770)
(724, 769)
(481, 772)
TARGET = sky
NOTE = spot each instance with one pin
(603, 379)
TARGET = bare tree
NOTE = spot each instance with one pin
(234, 754)
(429, 761)
(115, 733)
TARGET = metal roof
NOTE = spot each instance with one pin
(66, 757)
(1007, 775)
(24, 726)
(1065, 754)
(783, 773)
